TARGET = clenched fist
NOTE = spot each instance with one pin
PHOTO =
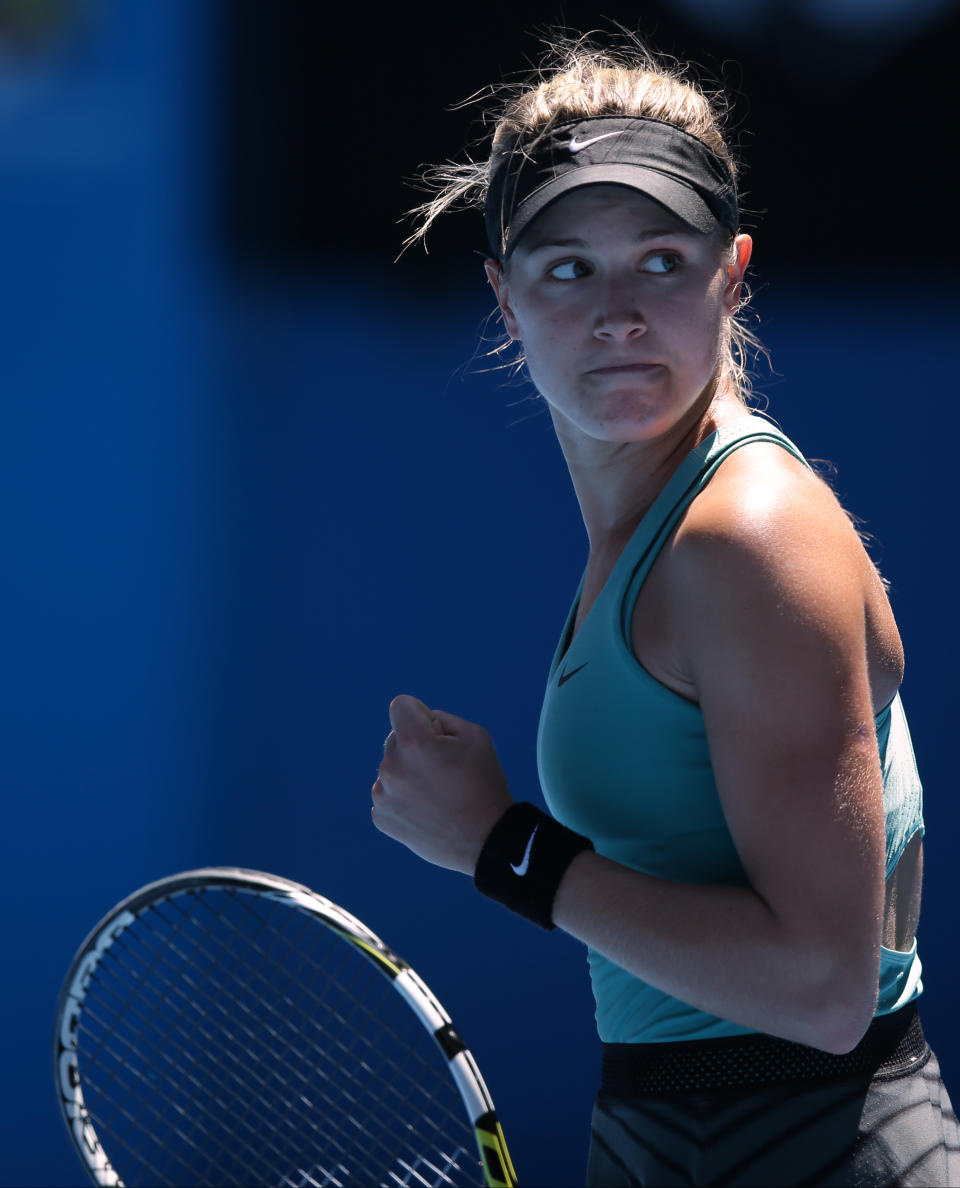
(440, 788)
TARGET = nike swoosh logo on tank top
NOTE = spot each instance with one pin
(565, 676)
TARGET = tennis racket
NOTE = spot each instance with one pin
(227, 1027)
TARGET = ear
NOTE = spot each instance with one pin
(740, 252)
(501, 287)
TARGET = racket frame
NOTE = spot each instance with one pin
(491, 1146)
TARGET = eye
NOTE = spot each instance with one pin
(662, 262)
(568, 270)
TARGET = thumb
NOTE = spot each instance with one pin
(408, 713)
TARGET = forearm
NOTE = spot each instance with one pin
(719, 948)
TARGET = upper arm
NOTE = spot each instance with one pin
(768, 592)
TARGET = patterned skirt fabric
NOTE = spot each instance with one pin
(794, 1115)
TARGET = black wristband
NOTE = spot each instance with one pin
(523, 860)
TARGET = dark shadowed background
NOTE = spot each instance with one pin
(257, 478)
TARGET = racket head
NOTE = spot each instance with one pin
(227, 1026)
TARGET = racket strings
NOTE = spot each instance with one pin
(180, 1132)
(243, 1076)
(230, 1000)
(264, 1088)
(157, 1052)
(358, 999)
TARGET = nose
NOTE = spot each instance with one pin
(619, 318)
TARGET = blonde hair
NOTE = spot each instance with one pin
(578, 79)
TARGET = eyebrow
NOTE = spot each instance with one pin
(553, 241)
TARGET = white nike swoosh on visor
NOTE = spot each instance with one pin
(576, 145)
(521, 868)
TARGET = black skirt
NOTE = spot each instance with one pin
(759, 1110)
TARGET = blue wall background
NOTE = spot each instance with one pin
(240, 515)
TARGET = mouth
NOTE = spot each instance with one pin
(625, 369)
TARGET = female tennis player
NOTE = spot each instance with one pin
(735, 827)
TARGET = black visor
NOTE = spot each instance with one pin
(651, 156)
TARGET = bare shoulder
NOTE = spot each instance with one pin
(766, 566)
(766, 526)
(763, 498)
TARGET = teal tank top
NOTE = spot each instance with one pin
(624, 760)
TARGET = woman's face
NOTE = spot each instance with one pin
(619, 307)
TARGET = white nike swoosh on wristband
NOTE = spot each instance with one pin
(576, 145)
(521, 868)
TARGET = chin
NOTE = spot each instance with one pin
(640, 422)
(623, 432)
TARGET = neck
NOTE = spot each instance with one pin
(616, 482)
